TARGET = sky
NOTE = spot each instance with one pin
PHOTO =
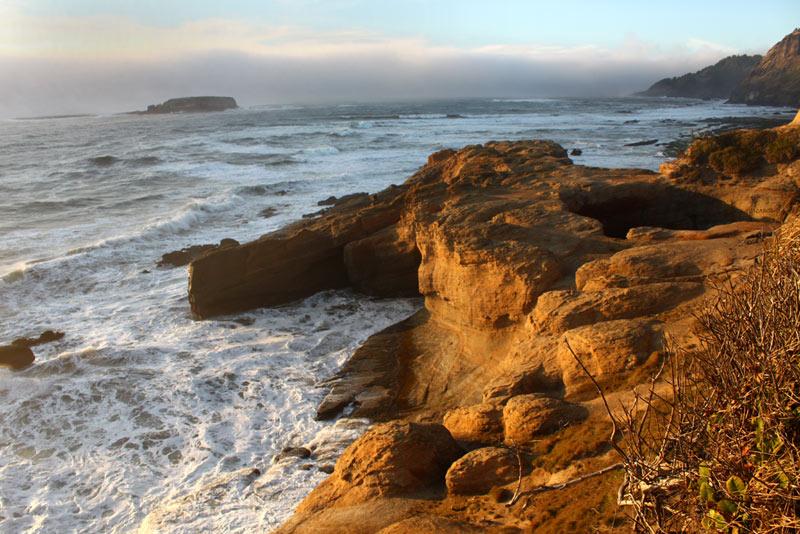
(105, 56)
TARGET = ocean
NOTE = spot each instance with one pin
(139, 405)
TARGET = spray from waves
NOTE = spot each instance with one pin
(321, 150)
(157, 427)
(186, 219)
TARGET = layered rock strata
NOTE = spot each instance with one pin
(527, 263)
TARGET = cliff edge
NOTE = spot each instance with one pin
(714, 82)
(775, 80)
(523, 258)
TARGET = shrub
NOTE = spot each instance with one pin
(744, 150)
(723, 454)
(734, 159)
(783, 148)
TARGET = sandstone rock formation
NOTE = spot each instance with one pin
(715, 81)
(391, 460)
(192, 104)
(480, 470)
(179, 258)
(775, 80)
(515, 250)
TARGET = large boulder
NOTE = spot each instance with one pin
(480, 470)
(478, 423)
(373, 477)
(391, 459)
(526, 417)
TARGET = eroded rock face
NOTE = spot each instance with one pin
(516, 251)
(527, 416)
(479, 423)
(432, 525)
(391, 460)
(512, 247)
(480, 470)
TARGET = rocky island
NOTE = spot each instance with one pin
(192, 104)
(531, 268)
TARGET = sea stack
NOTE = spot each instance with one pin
(193, 104)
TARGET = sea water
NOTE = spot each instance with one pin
(139, 405)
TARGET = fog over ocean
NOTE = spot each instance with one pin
(140, 404)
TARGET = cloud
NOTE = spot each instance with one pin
(109, 64)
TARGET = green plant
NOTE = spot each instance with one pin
(724, 451)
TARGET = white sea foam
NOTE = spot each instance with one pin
(139, 409)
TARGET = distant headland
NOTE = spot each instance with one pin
(192, 104)
(771, 80)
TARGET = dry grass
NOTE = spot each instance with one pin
(723, 454)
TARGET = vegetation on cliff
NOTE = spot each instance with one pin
(775, 81)
(744, 150)
(728, 458)
(536, 273)
(715, 81)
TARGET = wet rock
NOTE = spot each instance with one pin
(16, 357)
(576, 152)
(184, 256)
(47, 336)
(268, 212)
(643, 143)
(292, 452)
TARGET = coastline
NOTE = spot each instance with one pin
(616, 284)
(184, 180)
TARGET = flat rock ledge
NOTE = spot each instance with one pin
(522, 258)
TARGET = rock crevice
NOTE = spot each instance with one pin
(514, 250)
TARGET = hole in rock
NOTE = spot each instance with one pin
(622, 207)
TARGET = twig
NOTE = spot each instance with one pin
(568, 483)
(614, 428)
(519, 480)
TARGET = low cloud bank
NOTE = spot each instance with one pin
(40, 86)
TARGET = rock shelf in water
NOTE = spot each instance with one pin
(515, 250)
(192, 104)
